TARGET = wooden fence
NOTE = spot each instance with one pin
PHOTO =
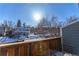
(35, 48)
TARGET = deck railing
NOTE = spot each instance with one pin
(31, 47)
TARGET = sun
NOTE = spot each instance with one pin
(37, 16)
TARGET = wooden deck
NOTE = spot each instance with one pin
(34, 47)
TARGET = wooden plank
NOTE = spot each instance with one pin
(55, 44)
(11, 51)
(23, 50)
(39, 48)
(3, 52)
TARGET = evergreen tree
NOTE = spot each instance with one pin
(18, 23)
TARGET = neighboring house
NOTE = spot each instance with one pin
(4, 29)
(21, 31)
(70, 34)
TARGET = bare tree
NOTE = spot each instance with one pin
(24, 25)
(71, 19)
(10, 24)
(5, 23)
(60, 24)
(54, 22)
(44, 23)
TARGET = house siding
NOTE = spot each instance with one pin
(71, 38)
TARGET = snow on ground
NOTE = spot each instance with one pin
(7, 40)
(58, 53)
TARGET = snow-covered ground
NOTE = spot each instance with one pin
(58, 53)
(7, 40)
(64, 54)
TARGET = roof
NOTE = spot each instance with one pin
(71, 23)
(21, 29)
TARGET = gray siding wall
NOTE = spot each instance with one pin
(71, 38)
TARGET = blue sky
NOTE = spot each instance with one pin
(24, 12)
